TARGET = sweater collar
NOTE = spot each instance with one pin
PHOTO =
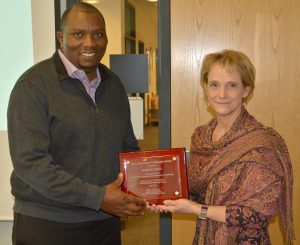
(62, 72)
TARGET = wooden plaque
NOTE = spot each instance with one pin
(155, 175)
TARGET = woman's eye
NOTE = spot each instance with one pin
(233, 85)
(212, 84)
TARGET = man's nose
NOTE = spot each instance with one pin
(89, 40)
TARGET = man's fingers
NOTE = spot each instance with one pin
(119, 180)
(132, 210)
(137, 201)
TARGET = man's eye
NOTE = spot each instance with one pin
(99, 34)
(77, 34)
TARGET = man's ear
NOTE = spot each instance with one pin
(60, 38)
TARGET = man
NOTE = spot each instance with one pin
(68, 119)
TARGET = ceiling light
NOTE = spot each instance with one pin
(91, 1)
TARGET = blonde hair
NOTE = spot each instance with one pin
(232, 60)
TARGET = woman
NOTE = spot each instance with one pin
(239, 171)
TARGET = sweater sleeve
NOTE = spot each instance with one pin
(34, 166)
(130, 143)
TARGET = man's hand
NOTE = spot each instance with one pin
(120, 204)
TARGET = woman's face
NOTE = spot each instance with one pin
(225, 92)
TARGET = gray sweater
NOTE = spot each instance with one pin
(64, 148)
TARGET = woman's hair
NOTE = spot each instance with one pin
(232, 60)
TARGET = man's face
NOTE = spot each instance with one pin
(83, 40)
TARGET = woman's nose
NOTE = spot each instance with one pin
(222, 92)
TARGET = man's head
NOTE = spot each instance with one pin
(83, 37)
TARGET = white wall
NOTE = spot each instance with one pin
(31, 38)
(5, 232)
(43, 29)
(6, 201)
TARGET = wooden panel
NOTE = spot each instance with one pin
(269, 32)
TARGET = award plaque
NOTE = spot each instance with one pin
(155, 175)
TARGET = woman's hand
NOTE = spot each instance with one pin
(155, 208)
(180, 206)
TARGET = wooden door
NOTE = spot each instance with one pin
(268, 31)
